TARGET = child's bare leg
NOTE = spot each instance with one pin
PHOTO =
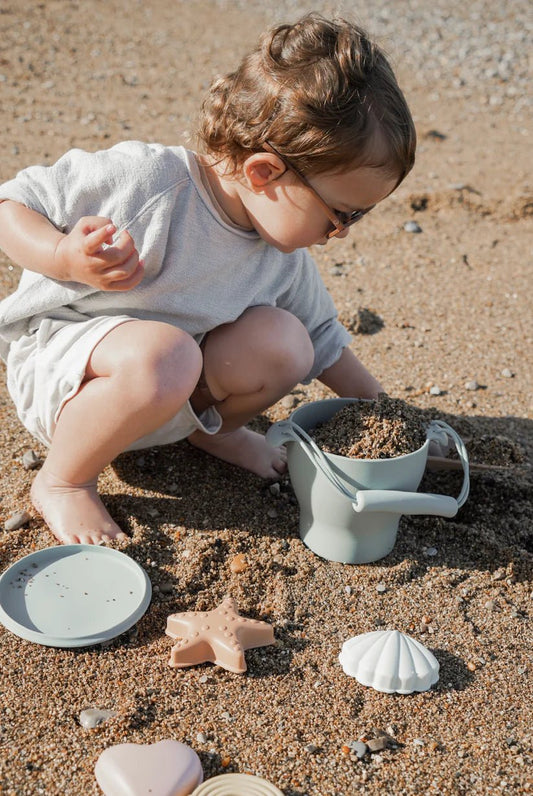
(138, 377)
(248, 366)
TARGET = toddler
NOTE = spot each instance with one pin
(167, 294)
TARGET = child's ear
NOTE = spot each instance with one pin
(261, 169)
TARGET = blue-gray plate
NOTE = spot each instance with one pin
(73, 595)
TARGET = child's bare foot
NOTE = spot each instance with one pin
(245, 448)
(73, 512)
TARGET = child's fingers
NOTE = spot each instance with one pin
(119, 274)
(120, 251)
(122, 280)
(95, 239)
(124, 240)
(115, 260)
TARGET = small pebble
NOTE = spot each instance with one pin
(378, 744)
(275, 488)
(359, 748)
(435, 390)
(412, 226)
(472, 385)
(201, 737)
(272, 513)
(430, 551)
(92, 717)
(436, 134)
(30, 460)
(471, 666)
(510, 740)
(289, 402)
(507, 374)
(381, 588)
(166, 588)
(311, 749)
(238, 563)
(17, 520)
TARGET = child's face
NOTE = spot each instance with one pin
(288, 215)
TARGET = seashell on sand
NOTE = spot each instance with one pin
(389, 661)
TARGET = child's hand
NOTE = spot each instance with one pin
(87, 254)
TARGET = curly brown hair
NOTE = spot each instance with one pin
(322, 92)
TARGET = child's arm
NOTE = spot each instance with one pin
(87, 254)
(350, 379)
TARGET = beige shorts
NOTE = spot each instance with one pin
(45, 369)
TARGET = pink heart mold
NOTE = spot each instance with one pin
(166, 768)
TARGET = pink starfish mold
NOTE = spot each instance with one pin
(219, 636)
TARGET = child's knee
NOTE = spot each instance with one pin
(165, 364)
(285, 343)
(265, 345)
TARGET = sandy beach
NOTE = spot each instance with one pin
(441, 315)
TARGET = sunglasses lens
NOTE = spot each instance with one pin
(355, 217)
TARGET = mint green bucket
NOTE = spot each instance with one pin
(350, 509)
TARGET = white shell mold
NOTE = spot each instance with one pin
(389, 661)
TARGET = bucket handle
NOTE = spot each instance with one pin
(389, 500)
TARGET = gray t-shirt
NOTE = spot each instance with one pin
(201, 270)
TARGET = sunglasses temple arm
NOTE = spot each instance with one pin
(337, 223)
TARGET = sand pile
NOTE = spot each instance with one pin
(380, 429)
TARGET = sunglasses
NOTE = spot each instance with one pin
(340, 221)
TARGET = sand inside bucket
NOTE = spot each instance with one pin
(380, 429)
